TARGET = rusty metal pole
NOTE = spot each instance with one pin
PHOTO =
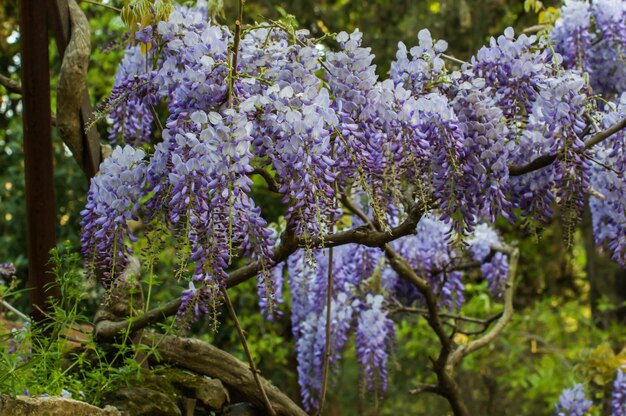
(38, 166)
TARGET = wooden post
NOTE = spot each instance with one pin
(40, 204)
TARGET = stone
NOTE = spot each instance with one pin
(50, 406)
(242, 409)
(140, 401)
(209, 392)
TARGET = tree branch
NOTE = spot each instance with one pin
(426, 388)
(446, 386)
(10, 85)
(10, 307)
(348, 203)
(208, 360)
(605, 134)
(456, 317)
(71, 30)
(16, 88)
(545, 160)
(507, 314)
(71, 86)
(272, 185)
(289, 244)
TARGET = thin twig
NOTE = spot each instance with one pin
(15, 88)
(235, 52)
(470, 319)
(425, 388)
(244, 343)
(535, 28)
(605, 134)
(326, 364)
(10, 307)
(455, 60)
(10, 85)
(107, 6)
(348, 203)
(604, 165)
(156, 118)
(75, 340)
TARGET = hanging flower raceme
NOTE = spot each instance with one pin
(132, 101)
(6, 270)
(573, 402)
(483, 245)
(369, 139)
(592, 39)
(112, 201)
(375, 334)
(618, 403)
(308, 281)
(556, 128)
(422, 68)
(571, 35)
(514, 69)
(207, 189)
(430, 254)
(608, 202)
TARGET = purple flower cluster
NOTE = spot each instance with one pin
(18, 345)
(571, 35)
(555, 127)
(495, 268)
(514, 69)
(131, 103)
(203, 171)
(484, 185)
(592, 38)
(573, 402)
(365, 142)
(7, 270)
(270, 290)
(454, 124)
(430, 253)
(608, 203)
(308, 282)
(112, 201)
(618, 404)
(422, 67)
(375, 333)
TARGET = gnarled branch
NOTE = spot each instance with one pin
(72, 84)
(507, 314)
(208, 360)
